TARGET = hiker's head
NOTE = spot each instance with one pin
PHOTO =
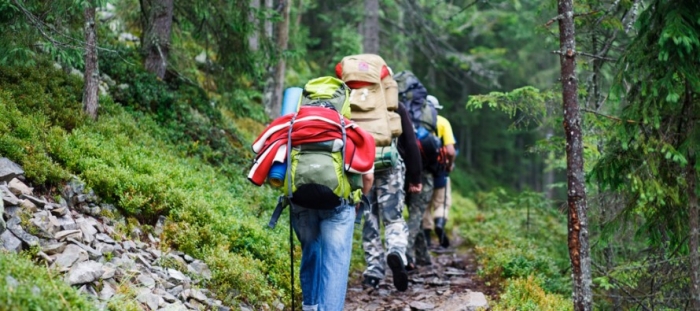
(434, 101)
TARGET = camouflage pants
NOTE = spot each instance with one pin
(417, 205)
(387, 197)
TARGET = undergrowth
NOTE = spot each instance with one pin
(520, 242)
(136, 161)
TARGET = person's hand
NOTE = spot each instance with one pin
(415, 188)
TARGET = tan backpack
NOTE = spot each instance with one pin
(374, 96)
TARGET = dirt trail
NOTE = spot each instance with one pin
(449, 284)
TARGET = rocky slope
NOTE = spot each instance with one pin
(102, 256)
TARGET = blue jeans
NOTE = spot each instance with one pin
(326, 246)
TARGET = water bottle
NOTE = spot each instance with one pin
(290, 101)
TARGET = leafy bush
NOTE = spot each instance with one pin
(525, 294)
(516, 237)
(19, 289)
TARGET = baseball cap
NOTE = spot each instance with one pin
(434, 101)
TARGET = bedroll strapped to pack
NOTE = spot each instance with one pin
(374, 96)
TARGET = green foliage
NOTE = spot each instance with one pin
(214, 215)
(516, 236)
(527, 104)
(525, 294)
(19, 289)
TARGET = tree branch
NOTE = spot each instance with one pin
(607, 116)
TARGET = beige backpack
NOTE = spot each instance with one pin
(374, 96)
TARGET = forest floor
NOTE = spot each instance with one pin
(449, 284)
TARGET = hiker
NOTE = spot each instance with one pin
(423, 115)
(329, 165)
(375, 107)
(436, 215)
(388, 197)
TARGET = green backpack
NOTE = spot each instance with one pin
(316, 176)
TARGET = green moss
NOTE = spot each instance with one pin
(20, 288)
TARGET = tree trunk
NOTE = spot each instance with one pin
(693, 213)
(268, 20)
(254, 37)
(156, 41)
(92, 73)
(576, 196)
(282, 42)
(370, 27)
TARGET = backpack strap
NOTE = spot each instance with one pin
(284, 201)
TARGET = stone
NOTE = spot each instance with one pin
(9, 170)
(37, 201)
(200, 268)
(468, 301)
(146, 281)
(65, 234)
(93, 253)
(17, 187)
(146, 297)
(10, 242)
(29, 206)
(84, 272)
(422, 306)
(107, 292)
(14, 225)
(71, 255)
(54, 248)
(8, 197)
(176, 276)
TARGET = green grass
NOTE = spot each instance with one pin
(26, 286)
(131, 160)
(524, 255)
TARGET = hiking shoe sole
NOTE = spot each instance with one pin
(399, 271)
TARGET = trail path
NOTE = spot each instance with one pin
(450, 284)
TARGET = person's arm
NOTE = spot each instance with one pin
(411, 153)
(367, 182)
(449, 141)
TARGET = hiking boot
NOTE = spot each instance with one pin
(440, 232)
(427, 232)
(398, 270)
(370, 282)
(410, 266)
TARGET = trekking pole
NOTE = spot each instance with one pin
(444, 213)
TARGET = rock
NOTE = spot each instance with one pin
(109, 270)
(71, 255)
(93, 253)
(146, 281)
(158, 230)
(10, 242)
(65, 234)
(37, 201)
(84, 272)
(200, 268)
(468, 301)
(29, 206)
(14, 225)
(107, 292)
(54, 248)
(422, 306)
(17, 187)
(7, 196)
(9, 170)
(146, 297)
(178, 306)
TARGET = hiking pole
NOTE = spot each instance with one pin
(444, 213)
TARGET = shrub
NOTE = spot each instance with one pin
(19, 289)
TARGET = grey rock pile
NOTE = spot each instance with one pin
(73, 234)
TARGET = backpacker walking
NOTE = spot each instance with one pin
(329, 164)
(375, 107)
